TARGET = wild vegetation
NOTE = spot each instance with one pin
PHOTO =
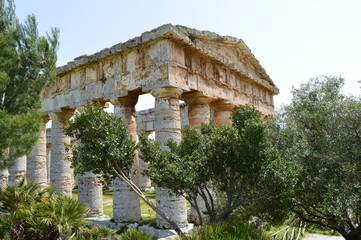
(230, 167)
(320, 131)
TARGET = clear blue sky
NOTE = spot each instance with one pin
(293, 40)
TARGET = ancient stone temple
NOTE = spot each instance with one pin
(209, 72)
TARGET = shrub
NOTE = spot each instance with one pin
(224, 231)
(135, 234)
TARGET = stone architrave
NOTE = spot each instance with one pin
(36, 165)
(167, 126)
(17, 171)
(61, 173)
(222, 112)
(126, 203)
(4, 176)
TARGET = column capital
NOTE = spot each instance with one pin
(195, 98)
(164, 92)
(62, 116)
(222, 105)
(100, 102)
(129, 100)
(46, 118)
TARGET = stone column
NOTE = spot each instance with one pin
(48, 160)
(4, 176)
(222, 112)
(17, 171)
(90, 192)
(167, 126)
(36, 166)
(198, 112)
(126, 203)
(90, 188)
(143, 180)
(61, 174)
(198, 109)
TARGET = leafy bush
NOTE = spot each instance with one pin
(95, 233)
(224, 231)
(135, 234)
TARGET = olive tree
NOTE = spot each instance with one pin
(320, 131)
(235, 162)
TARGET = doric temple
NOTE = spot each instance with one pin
(212, 74)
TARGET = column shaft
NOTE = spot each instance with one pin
(167, 126)
(90, 192)
(126, 203)
(198, 112)
(36, 167)
(61, 174)
(17, 171)
(90, 186)
(222, 112)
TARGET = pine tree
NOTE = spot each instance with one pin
(27, 65)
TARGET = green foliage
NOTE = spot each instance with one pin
(32, 212)
(223, 231)
(135, 234)
(27, 64)
(95, 233)
(105, 143)
(320, 131)
(235, 162)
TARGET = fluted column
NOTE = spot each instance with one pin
(36, 165)
(126, 203)
(198, 112)
(61, 174)
(90, 188)
(90, 192)
(143, 180)
(222, 112)
(17, 171)
(48, 160)
(167, 126)
(4, 176)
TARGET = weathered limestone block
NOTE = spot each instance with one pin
(61, 174)
(4, 176)
(17, 171)
(126, 203)
(222, 112)
(90, 192)
(168, 126)
(36, 166)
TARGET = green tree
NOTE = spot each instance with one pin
(105, 148)
(235, 162)
(29, 211)
(320, 130)
(27, 64)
